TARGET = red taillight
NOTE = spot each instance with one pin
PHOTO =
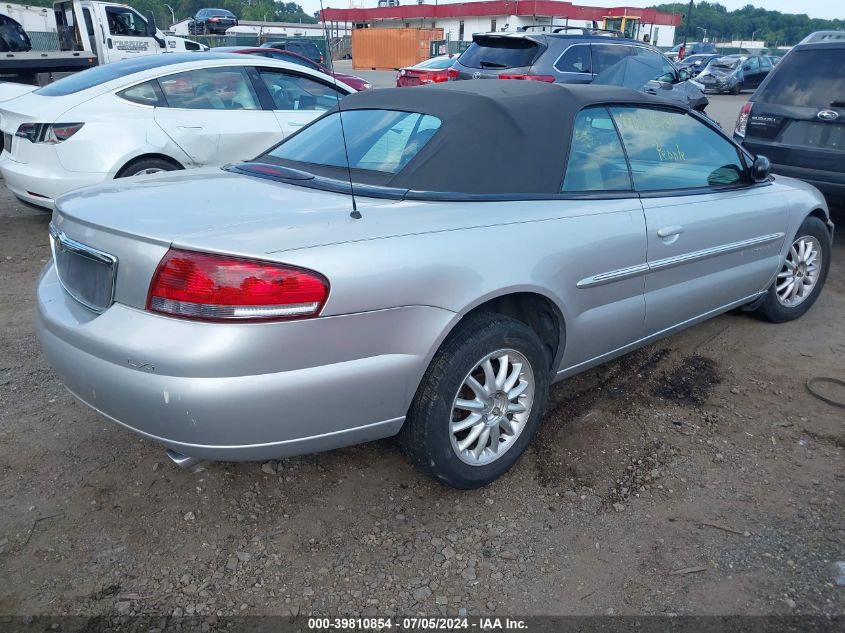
(547, 78)
(742, 119)
(48, 133)
(208, 287)
(437, 77)
(63, 131)
(213, 19)
(452, 74)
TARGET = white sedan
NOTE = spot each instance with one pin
(152, 114)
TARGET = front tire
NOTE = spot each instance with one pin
(736, 89)
(479, 403)
(802, 275)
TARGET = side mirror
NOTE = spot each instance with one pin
(684, 75)
(761, 169)
(151, 24)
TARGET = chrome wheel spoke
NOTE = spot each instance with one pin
(482, 442)
(476, 405)
(467, 422)
(473, 435)
(511, 380)
(516, 407)
(489, 375)
(478, 388)
(517, 391)
(503, 372)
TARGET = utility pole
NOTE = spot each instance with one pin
(172, 14)
(687, 26)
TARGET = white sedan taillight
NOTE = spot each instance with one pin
(51, 133)
(209, 287)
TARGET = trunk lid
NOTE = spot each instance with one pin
(490, 55)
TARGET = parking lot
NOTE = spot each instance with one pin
(696, 476)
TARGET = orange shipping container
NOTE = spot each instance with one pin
(386, 49)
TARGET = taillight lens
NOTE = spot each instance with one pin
(452, 74)
(48, 133)
(207, 287)
(742, 119)
(547, 78)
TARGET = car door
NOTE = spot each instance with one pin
(714, 237)
(215, 116)
(297, 98)
(752, 76)
(127, 34)
(604, 247)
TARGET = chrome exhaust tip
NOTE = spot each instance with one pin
(182, 461)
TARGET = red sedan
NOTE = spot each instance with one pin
(287, 56)
(431, 71)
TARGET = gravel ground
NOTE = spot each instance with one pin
(696, 476)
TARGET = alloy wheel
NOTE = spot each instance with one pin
(492, 407)
(800, 272)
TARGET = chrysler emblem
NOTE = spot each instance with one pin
(828, 115)
(477, 75)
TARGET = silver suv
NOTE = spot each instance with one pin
(585, 56)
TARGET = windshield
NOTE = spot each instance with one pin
(377, 140)
(725, 63)
(810, 77)
(436, 63)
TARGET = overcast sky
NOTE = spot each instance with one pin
(816, 9)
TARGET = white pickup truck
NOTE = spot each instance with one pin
(91, 33)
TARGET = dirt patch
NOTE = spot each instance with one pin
(690, 382)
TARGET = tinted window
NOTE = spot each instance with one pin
(672, 150)
(293, 92)
(377, 140)
(293, 59)
(147, 93)
(810, 78)
(124, 21)
(607, 55)
(637, 69)
(437, 63)
(107, 72)
(596, 160)
(575, 59)
(499, 52)
(752, 64)
(226, 88)
(765, 64)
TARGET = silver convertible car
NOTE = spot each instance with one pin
(504, 235)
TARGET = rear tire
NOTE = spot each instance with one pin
(736, 89)
(812, 242)
(484, 392)
(150, 165)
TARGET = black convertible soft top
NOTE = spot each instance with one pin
(496, 136)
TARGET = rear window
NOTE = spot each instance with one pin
(377, 140)
(809, 77)
(101, 74)
(436, 63)
(500, 52)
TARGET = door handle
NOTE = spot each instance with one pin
(188, 127)
(292, 124)
(670, 231)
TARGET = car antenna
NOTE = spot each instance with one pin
(355, 215)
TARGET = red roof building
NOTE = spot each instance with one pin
(461, 19)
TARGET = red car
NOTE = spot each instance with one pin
(286, 56)
(431, 71)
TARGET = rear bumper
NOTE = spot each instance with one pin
(41, 184)
(829, 183)
(202, 390)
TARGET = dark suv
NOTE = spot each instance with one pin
(796, 118)
(212, 21)
(580, 57)
(298, 46)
